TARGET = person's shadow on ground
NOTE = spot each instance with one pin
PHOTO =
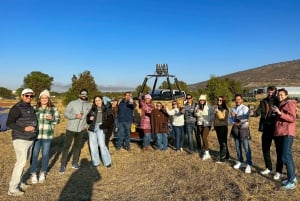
(80, 184)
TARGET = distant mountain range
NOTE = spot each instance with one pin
(279, 74)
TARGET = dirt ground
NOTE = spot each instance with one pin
(152, 175)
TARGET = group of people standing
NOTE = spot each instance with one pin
(33, 130)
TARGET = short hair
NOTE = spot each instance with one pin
(271, 88)
(127, 92)
(82, 90)
(284, 90)
(189, 95)
(238, 95)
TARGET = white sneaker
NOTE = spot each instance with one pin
(248, 169)
(34, 179)
(42, 177)
(206, 156)
(237, 165)
(265, 172)
(277, 176)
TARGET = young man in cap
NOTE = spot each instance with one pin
(23, 122)
(75, 112)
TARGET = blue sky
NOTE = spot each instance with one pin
(120, 41)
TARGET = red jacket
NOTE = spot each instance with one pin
(286, 122)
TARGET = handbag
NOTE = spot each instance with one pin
(133, 127)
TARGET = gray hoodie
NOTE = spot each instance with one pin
(73, 108)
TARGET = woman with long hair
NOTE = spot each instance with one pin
(48, 116)
(99, 118)
(221, 127)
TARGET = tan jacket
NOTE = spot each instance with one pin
(221, 118)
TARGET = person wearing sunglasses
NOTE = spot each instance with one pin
(76, 112)
(190, 124)
(221, 127)
(177, 124)
(23, 122)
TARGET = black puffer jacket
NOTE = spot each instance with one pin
(21, 115)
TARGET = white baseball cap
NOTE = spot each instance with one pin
(26, 91)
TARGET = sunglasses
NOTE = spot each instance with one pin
(189, 98)
(28, 96)
(220, 100)
(174, 103)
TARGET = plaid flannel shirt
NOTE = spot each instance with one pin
(46, 127)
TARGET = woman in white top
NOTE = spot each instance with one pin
(177, 124)
(205, 116)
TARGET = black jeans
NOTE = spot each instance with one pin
(76, 149)
(279, 151)
(222, 132)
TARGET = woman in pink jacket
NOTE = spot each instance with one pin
(285, 131)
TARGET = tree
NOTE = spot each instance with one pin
(183, 86)
(84, 81)
(234, 86)
(38, 81)
(5, 93)
(217, 87)
(139, 88)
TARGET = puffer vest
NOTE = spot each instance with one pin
(27, 118)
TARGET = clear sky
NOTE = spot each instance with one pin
(120, 41)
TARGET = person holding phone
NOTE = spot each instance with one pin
(285, 132)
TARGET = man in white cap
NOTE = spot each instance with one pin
(23, 122)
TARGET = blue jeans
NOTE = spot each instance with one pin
(123, 134)
(179, 136)
(146, 139)
(44, 145)
(162, 141)
(287, 157)
(190, 129)
(97, 139)
(239, 144)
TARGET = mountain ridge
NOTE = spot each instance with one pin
(285, 73)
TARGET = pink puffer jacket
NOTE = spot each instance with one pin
(286, 122)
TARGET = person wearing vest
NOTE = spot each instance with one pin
(23, 122)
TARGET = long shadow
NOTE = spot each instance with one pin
(80, 184)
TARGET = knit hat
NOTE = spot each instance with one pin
(45, 93)
(148, 96)
(26, 91)
(202, 97)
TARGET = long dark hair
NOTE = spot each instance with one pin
(223, 105)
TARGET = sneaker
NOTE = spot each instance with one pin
(108, 166)
(42, 177)
(265, 172)
(277, 176)
(248, 169)
(181, 149)
(286, 181)
(75, 166)
(15, 193)
(237, 165)
(62, 170)
(34, 179)
(206, 156)
(289, 186)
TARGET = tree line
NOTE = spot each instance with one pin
(39, 81)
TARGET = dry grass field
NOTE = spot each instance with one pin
(153, 175)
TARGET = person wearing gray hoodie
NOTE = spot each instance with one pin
(76, 112)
